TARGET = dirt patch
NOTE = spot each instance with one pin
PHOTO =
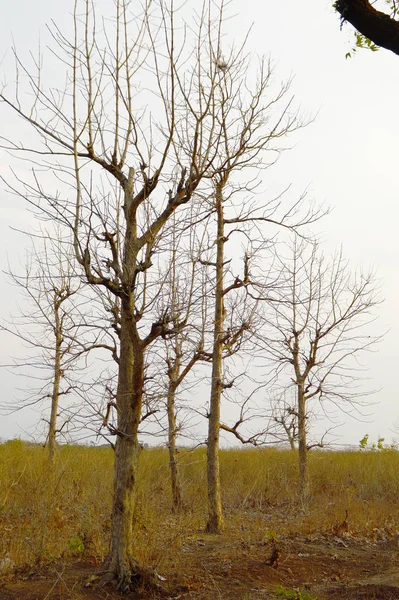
(231, 567)
(321, 566)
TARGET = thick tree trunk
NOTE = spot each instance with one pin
(379, 27)
(174, 471)
(302, 444)
(55, 396)
(122, 564)
(215, 513)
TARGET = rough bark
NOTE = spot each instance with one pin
(379, 27)
(174, 470)
(302, 443)
(123, 566)
(301, 401)
(215, 514)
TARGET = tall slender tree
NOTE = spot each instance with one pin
(185, 297)
(58, 328)
(316, 331)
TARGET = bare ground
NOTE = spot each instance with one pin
(326, 566)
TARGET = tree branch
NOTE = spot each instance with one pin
(379, 27)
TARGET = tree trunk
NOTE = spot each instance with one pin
(174, 472)
(302, 443)
(122, 564)
(215, 514)
(55, 396)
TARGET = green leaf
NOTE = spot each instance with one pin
(76, 544)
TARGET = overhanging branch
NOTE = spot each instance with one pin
(379, 27)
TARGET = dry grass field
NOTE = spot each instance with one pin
(343, 543)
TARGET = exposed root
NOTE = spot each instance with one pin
(126, 578)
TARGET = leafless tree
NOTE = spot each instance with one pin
(284, 415)
(57, 324)
(316, 330)
(284, 422)
(185, 296)
(145, 124)
(249, 124)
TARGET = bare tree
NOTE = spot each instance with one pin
(115, 221)
(57, 326)
(285, 417)
(317, 328)
(186, 298)
(129, 154)
(249, 126)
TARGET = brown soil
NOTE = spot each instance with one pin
(329, 566)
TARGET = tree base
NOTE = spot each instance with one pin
(126, 579)
(214, 526)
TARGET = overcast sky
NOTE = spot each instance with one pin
(347, 159)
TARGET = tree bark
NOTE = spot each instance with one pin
(379, 27)
(123, 566)
(302, 443)
(215, 513)
(174, 471)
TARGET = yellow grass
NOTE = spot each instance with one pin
(47, 514)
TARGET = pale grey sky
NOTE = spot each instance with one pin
(347, 159)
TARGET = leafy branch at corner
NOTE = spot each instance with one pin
(374, 27)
